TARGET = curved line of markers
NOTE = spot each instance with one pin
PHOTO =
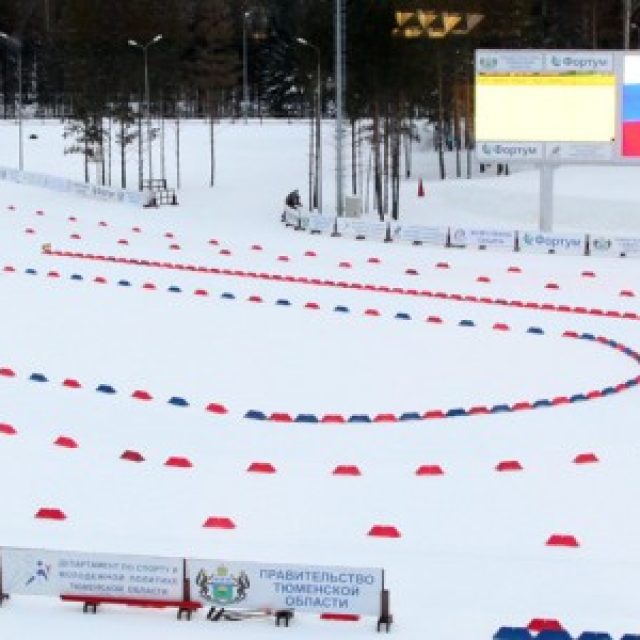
(284, 417)
(343, 284)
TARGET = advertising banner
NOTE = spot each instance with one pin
(489, 238)
(614, 246)
(574, 244)
(321, 224)
(577, 61)
(510, 151)
(56, 183)
(291, 217)
(579, 151)
(418, 233)
(361, 228)
(53, 573)
(509, 61)
(252, 585)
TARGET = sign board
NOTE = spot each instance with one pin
(574, 244)
(510, 151)
(485, 238)
(252, 585)
(558, 106)
(321, 224)
(418, 233)
(362, 228)
(291, 217)
(53, 573)
(602, 245)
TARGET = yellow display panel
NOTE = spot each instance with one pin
(546, 108)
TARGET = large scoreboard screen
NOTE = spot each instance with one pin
(561, 105)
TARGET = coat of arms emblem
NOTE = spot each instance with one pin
(223, 587)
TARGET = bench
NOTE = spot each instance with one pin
(90, 603)
(163, 196)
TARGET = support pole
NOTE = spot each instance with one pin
(20, 128)
(339, 108)
(546, 197)
(148, 109)
(245, 67)
(626, 26)
(319, 139)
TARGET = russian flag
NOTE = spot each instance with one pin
(631, 107)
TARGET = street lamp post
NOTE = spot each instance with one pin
(16, 43)
(630, 8)
(145, 48)
(339, 113)
(245, 66)
(318, 184)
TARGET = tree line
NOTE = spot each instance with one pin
(77, 64)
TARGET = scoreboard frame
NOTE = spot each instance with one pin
(548, 155)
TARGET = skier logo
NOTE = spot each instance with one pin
(222, 587)
(41, 573)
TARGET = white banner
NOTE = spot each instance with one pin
(489, 238)
(362, 228)
(508, 61)
(253, 585)
(321, 224)
(418, 233)
(579, 61)
(56, 183)
(52, 573)
(291, 217)
(614, 246)
(565, 243)
(580, 151)
(509, 151)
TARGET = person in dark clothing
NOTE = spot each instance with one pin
(293, 200)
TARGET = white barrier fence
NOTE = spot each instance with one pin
(41, 572)
(64, 185)
(569, 244)
(220, 583)
(470, 237)
(280, 586)
(482, 238)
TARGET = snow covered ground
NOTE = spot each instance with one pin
(268, 160)
(472, 555)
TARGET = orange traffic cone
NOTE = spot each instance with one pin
(420, 189)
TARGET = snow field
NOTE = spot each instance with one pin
(472, 555)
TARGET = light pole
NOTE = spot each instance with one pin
(629, 9)
(318, 185)
(339, 114)
(245, 66)
(16, 43)
(145, 48)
